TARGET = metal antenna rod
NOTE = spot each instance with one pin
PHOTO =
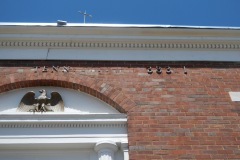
(84, 15)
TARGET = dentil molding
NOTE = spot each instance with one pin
(59, 44)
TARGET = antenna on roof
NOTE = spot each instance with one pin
(84, 15)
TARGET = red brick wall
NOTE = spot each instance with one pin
(170, 116)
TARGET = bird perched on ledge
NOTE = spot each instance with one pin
(42, 103)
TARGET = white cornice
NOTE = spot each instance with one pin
(105, 37)
(47, 120)
(88, 42)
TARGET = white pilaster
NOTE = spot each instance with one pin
(124, 148)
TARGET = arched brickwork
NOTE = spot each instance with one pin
(103, 91)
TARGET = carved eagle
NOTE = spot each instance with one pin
(42, 103)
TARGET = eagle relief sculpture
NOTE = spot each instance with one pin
(42, 103)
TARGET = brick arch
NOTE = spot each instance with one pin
(97, 88)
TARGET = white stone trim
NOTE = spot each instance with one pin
(235, 96)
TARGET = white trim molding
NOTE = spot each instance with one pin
(107, 42)
(56, 131)
(56, 120)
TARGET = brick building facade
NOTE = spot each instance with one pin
(184, 111)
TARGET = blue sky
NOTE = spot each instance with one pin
(172, 12)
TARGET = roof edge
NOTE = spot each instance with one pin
(115, 25)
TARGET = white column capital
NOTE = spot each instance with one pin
(106, 144)
(106, 149)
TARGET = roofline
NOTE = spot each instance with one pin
(115, 25)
